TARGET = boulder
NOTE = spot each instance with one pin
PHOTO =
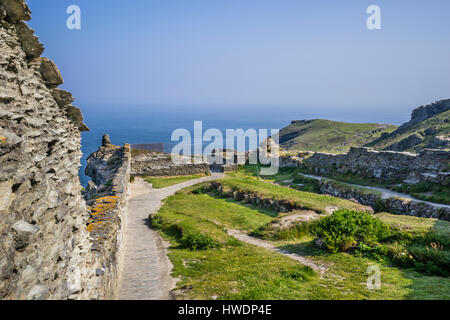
(30, 43)
(74, 114)
(50, 73)
(16, 10)
(62, 97)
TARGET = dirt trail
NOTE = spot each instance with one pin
(267, 245)
(145, 273)
(385, 193)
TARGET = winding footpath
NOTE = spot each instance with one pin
(385, 193)
(267, 245)
(145, 273)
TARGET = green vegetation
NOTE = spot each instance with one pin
(426, 191)
(330, 136)
(162, 182)
(428, 129)
(432, 192)
(346, 229)
(197, 241)
(242, 182)
(211, 264)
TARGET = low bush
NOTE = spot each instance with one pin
(197, 241)
(345, 229)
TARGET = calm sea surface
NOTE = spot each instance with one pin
(155, 124)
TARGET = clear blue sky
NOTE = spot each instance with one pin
(250, 52)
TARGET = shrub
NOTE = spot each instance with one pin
(377, 253)
(344, 229)
(197, 241)
(132, 179)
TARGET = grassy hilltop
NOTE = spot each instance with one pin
(330, 136)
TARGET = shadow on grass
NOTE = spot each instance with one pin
(429, 284)
(267, 212)
(306, 249)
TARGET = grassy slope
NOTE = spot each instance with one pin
(241, 271)
(438, 121)
(308, 200)
(330, 136)
(162, 182)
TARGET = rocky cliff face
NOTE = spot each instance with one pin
(425, 112)
(429, 128)
(44, 244)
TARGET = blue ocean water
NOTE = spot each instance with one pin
(155, 123)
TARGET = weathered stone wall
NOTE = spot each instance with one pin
(162, 165)
(43, 240)
(46, 251)
(395, 205)
(108, 214)
(429, 165)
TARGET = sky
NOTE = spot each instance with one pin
(285, 53)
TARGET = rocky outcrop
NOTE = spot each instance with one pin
(425, 112)
(102, 167)
(407, 143)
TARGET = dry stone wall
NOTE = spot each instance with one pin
(397, 205)
(46, 251)
(427, 166)
(108, 213)
(162, 165)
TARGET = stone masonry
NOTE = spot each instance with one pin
(46, 251)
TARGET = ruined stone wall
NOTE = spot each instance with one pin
(162, 165)
(46, 251)
(43, 241)
(428, 165)
(108, 214)
(395, 205)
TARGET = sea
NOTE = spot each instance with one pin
(153, 123)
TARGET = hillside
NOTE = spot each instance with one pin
(429, 127)
(330, 136)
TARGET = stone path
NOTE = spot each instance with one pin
(267, 245)
(385, 193)
(146, 268)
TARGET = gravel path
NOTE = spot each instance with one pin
(145, 273)
(385, 193)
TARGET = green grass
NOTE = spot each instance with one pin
(235, 270)
(330, 136)
(307, 200)
(439, 123)
(427, 191)
(162, 182)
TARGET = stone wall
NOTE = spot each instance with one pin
(395, 205)
(44, 244)
(46, 251)
(429, 165)
(162, 165)
(108, 212)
